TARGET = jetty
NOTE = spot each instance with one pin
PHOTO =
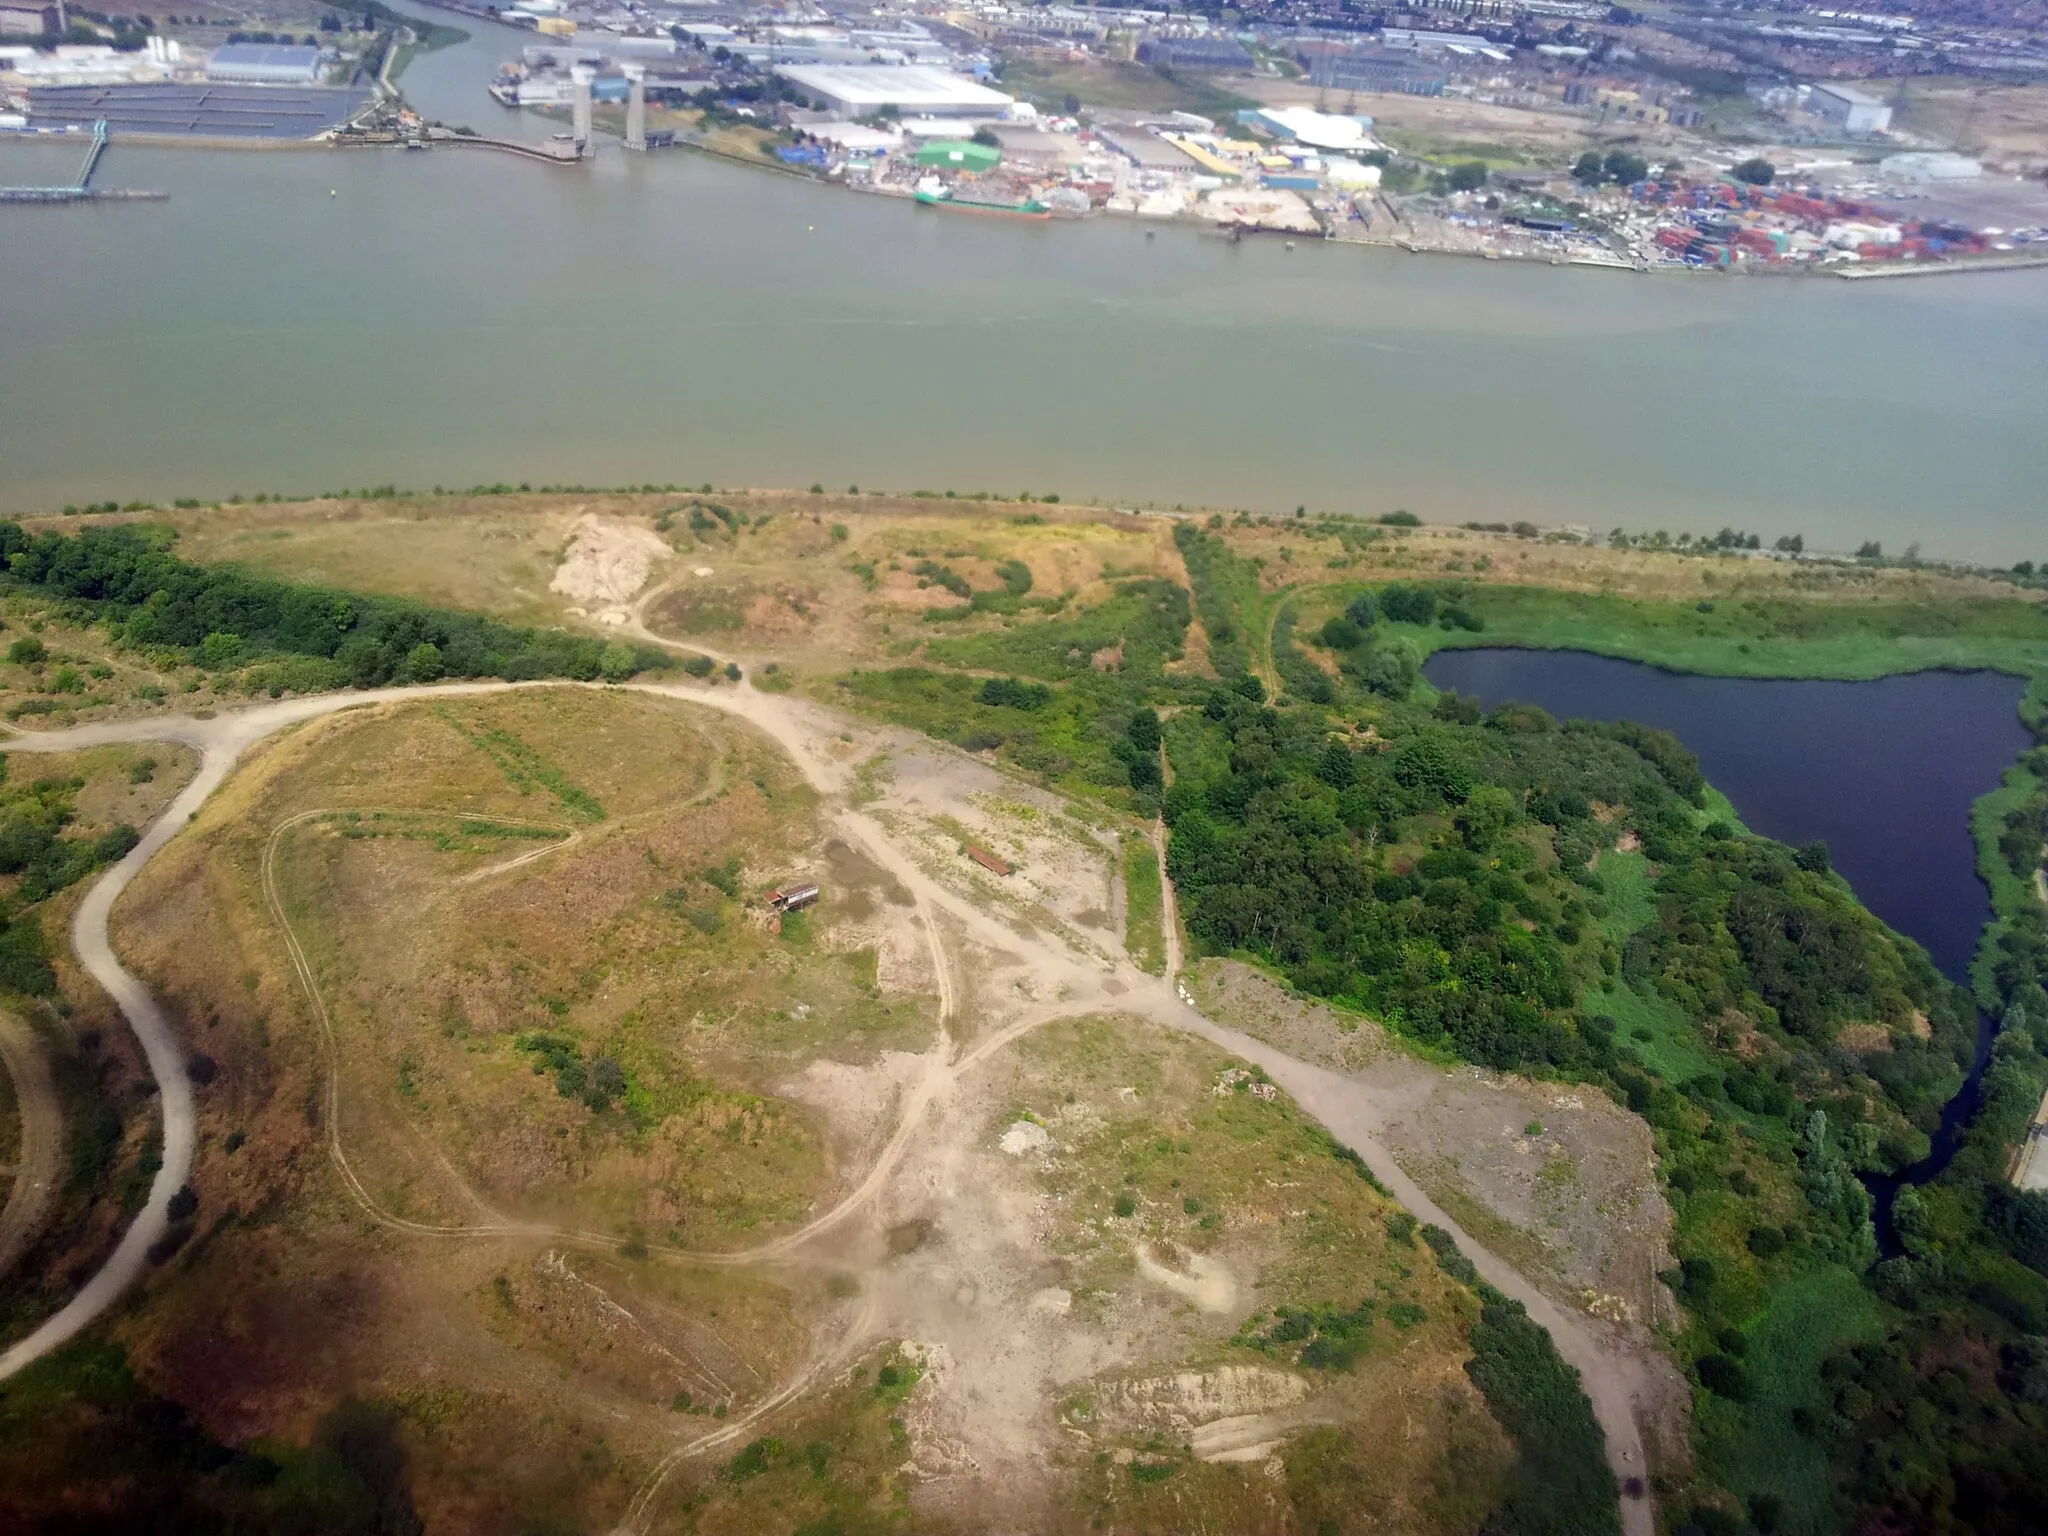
(82, 190)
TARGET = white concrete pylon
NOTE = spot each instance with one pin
(636, 105)
(581, 77)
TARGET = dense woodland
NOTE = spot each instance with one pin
(1567, 898)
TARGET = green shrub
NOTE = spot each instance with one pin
(1560, 1482)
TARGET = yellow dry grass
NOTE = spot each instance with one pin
(1158, 1142)
(536, 1379)
(2005, 122)
(1295, 554)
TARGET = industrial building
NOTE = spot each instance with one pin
(32, 18)
(1932, 165)
(958, 155)
(265, 64)
(909, 90)
(1318, 130)
(1849, 109)
(1147, 151)
(1211, 51)
(1374, 70)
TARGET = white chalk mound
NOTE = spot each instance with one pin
(608, 561)
(1025, 1137)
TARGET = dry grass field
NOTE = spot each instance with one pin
(817, 584)
(531, 922)
(521, 1115)
(2006, 123)
(480, 1014)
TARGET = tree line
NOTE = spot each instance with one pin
(130, 579)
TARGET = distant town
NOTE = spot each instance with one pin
(1861, 143)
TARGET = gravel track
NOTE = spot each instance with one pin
(1614, 1379)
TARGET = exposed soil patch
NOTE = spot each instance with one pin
(608, 561)
(1561, 1181)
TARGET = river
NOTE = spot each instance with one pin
(299, 321)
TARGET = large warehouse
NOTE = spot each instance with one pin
(913, 90)
(265, 64)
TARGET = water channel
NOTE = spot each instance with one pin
(304, 320)
(1883, 772)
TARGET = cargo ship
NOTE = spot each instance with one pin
(933, 195)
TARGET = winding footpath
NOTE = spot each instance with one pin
(1616, 1380)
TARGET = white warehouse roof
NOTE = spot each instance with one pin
(264, 62)
(1848, 93)
(1319, 130)
(911, 88)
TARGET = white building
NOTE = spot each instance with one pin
(82, 64)
(1849, 109)
(31, 18)
(912, 90)
(1934, 165)
(1318, 130)
(265, 64)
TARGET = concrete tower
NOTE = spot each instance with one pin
(581, 76)
(636, 105)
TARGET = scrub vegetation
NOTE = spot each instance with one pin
(1144, 921)
(1449, 873)
(280, 636)
(63, 818)
(619, 1044)
(1318, 1314)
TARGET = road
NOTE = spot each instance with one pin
(1615, 1380)
(41, 1162)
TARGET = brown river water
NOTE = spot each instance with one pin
(296, 321)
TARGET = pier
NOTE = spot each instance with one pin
(82, 191)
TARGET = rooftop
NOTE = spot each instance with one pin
(266, 55)
(908, 86)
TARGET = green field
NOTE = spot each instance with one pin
(1807, 1316)
(1144, 925)
(1764, 637)
(1134, 87)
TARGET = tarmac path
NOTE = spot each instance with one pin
(1615, 1381)
(41, 1158)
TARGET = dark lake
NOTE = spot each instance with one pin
(1883, 772)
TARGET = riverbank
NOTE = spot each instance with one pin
(1766, 635)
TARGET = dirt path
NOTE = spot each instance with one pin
(42, 1138)
(1613, 1380)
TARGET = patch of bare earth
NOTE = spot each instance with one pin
(607, 563)
(1558, 1180)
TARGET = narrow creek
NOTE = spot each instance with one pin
(1883, 772)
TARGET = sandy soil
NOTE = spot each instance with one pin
(607, 563)
(2007, 124)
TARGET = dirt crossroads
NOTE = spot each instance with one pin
(1066, 981)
